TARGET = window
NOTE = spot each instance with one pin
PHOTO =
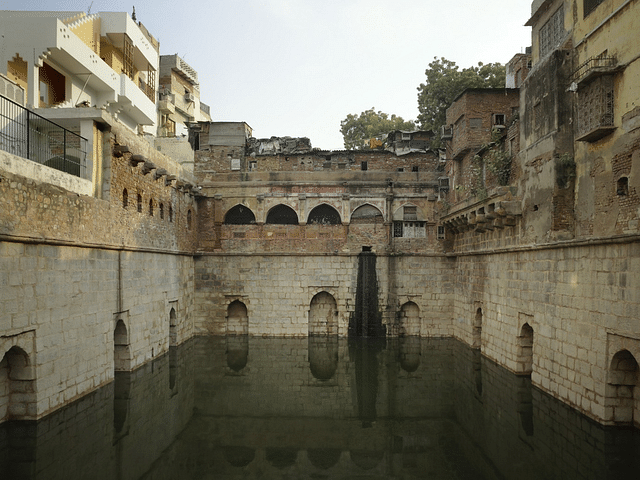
(414, 168)
(161, 211)
(282, 215)
(498, 119)
(189, 219)
(551, 32)
(410, 212)
(151, 207)
(170, 213)
(590, 5)
(239, 215)
(622, 186)
(363, 166)
(401, 169)
(397, 229)
(441, 233)
(125, 198)
(595, 109)
(324, 215)
(139, 203)
(253, 165)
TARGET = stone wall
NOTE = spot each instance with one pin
(277, 290)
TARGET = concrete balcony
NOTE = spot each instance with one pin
(134, 102)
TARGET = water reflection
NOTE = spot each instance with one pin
(274, 408)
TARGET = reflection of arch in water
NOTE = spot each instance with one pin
(122, 348)
(237, 318)
(17, 385)
(324, 214)
(281, 457)
(366, 459)
(237, 351)
(524, 364)
(282, 215)
(409, 353)
(323, 315)
(622, 394)
(409, 319)
(239, 456)
(323, 356)
(476, 365)
(323, 458)
(239, 215)
(121, 396)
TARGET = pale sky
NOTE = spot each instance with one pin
(298, 67)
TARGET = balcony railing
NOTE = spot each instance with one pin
(594, 66)
(31, 136)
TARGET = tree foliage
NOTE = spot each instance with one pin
(445, 81)
(358, 129)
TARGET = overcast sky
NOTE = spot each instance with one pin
(298, 67)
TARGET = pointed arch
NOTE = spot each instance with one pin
(324, 214)
(282, 215)
(476, 335)
(173, 328)
(239, 215)
(367, 213)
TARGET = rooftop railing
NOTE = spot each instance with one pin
(31, 136)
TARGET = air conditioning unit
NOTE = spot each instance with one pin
(188, 97)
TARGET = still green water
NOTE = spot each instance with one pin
(318, 408)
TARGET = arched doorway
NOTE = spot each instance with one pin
(476, 334)
(323, 315)
(525, 350)
(239, 215)
(622, 391)
(122, 348)
(237, 318)
(17, 386)
(409, 319)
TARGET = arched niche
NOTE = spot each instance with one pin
(476, 332)
(173, 328)
(323, 315)
(324, 214)
(366, 214)
(122, 348)
(17, 386)
(239, 215)
(622, 403)
(282, 215)
(237, 318)
(525, 350)
(409, 319)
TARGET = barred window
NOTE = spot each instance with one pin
(551, 32)
(595, 109)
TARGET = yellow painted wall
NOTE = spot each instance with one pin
(17, 71)
(89, 33)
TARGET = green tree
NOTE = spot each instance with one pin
(445, 81)
(358, 129)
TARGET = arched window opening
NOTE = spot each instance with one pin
(170, 213)
(621, 405)
(189, 219)
(525, 351)
(161, 208)
(282, 215)
(17, 386)
(125, 198)
(139, 203)
(366, 214)
(151, 207)
(324, 215)
(476, 340)
(122, 349)
(239, 215)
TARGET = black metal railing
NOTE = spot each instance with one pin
(598, 62)
(31, 136)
